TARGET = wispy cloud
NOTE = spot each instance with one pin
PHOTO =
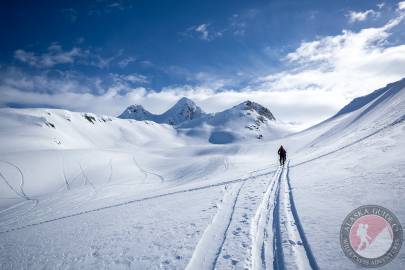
(360, 16)
(56, 55)
(202, 31)
(126, 61)
(101, 7)
(133, 78)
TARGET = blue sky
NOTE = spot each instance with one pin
(302, 59)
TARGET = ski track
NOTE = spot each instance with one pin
(111, 171)
(293, 236)
(21, 193)
(145, 172)
(86, 179)
(209, 247)
(259, 234)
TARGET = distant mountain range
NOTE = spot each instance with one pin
(241, 121)
(184, 110)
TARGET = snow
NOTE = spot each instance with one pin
(82, 191)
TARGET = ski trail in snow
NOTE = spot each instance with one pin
(209, 247)
(86, 179)
(145, 172)
(21, 193)
(111, 171)
(296, 251)
(64, 174)
(261, 258)
(10, 186)
(278, 256)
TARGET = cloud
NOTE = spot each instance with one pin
(133, 78)
(202, 31)
(102, 7)
(56, 55)
(401, 5)
(237, 24)
(362, 16)
(126, 61)
(345, 65)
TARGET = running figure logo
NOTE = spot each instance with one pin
(364, 237)
(371, 236)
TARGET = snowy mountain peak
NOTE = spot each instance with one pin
(253, 106)
(136, 112)
(185, 109)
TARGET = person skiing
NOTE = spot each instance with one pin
(282, 154)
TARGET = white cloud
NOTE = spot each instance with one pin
(56, 55)
(133, 78)
(381, 5)
(202, 31)
(342, 66)
(126, 61)
(401, 5)
(237, 25)
(362, 16)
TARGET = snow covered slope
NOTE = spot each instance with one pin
(84, 191)
(184, 110)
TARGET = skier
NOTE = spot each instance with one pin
(282, 154)
(364, 237)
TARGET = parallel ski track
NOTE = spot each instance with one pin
(260, 256)
(199, 260)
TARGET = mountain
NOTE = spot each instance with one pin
(246, 120)
(184, 110)
(361, 117)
